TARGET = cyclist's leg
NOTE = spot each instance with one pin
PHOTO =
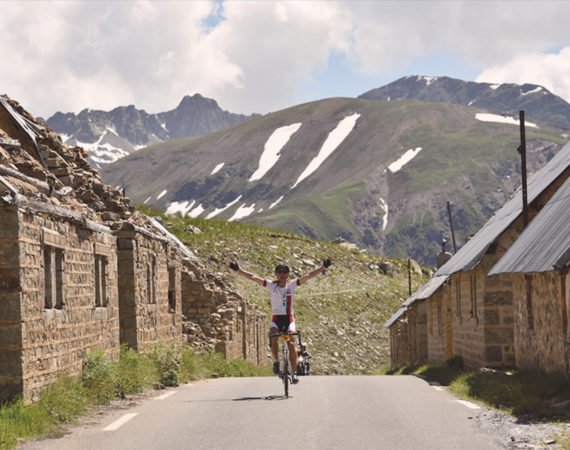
(292, 346)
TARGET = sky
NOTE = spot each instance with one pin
(263, 56)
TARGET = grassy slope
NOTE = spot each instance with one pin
(340, 313)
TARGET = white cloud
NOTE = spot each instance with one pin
(549, 70)
(255, 56)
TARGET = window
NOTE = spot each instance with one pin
(172, 289)
(150, 280)
(474, 296)
(101, 263)
(53, 276)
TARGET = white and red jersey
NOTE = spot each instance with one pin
(282, 298)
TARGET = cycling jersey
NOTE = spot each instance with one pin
(282, 298)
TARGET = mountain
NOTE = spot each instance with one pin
(535, 100)
(375, 173)
(109, 136)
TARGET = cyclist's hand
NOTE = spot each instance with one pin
(327, 262)
(234, 265)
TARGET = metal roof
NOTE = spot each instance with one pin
(425, 291)
(545, 243)
(473, 251)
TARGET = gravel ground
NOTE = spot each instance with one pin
(521, 432)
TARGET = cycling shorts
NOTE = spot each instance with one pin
(283, 323)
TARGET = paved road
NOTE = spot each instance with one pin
(351, 412)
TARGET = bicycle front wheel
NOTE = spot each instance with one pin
(286, 374)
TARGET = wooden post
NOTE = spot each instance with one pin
(522, 151)
(451, 226)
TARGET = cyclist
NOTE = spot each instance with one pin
(281, 294)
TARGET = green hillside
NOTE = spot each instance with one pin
(474, 165)
(340, 313)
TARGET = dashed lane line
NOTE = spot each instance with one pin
(165, 395)
(120, 422)
(468, 404)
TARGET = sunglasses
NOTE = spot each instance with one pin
(282, 271)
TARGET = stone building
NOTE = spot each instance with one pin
(58, 269)
(150, 269)
(538, 264)
(418, 329)
(80, 270)
(473, 315)
(482, 307)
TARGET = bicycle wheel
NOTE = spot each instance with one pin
(286, 373)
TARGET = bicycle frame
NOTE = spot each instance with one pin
(286, 373)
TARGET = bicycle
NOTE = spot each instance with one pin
(285, 373)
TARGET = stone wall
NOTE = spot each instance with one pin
(221, 319)
(541, 320)
(149, 269)
(438, 309)
(51, 314)
(399, 342)
(417, 333)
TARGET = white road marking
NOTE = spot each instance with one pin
(165, 395)
(468, 404)
(120, 422)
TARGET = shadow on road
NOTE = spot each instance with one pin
(271, 397)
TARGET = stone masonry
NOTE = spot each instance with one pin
(81, 270)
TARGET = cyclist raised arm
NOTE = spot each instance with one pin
(281, 294)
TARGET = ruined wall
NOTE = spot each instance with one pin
(61, 314)
(148, 269)
(11, 380)
(541, 320)
(437, 307)
(222, 319)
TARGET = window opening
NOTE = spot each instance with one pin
(172, 289)
(53, 277)
(101, 274)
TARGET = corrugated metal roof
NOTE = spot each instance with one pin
(545, 244)
(425, 291)
(473, 251)
(395, 317)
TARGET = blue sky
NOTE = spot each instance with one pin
(262, 56)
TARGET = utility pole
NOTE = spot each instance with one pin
(451, 226)
(522, 151)
(409, 278)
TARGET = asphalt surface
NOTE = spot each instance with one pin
(348, 412)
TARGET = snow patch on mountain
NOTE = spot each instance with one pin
(334, 139)
(272, 147)
(487, 117)
(220, 210)
(404, 159)
(385, 219)
(217, 168)
(276, 202)
(196, 211)
(180, 207)
(533, 91)
(242, 211)
(162, 194)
